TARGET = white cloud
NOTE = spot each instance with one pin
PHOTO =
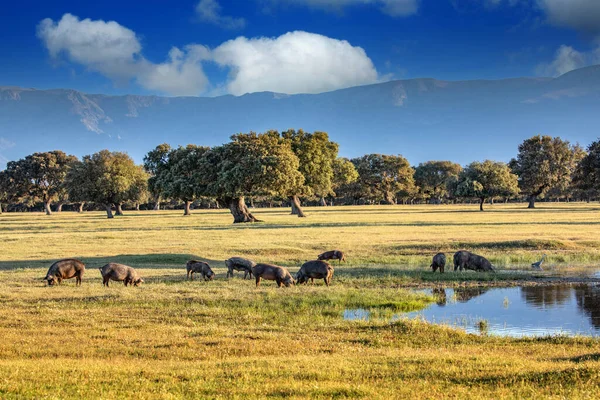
(297, 62)
(115, 51)
(394, 8)
(181, 75)
(583, 15)
(567, 59)
(210, 11)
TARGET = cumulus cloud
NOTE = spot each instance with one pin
(211, 11)
(394, 8)
(181, 75)
(115, 51)
(567, 59)
(583, 15)
(296, 62)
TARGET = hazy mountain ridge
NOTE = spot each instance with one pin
(392, 117)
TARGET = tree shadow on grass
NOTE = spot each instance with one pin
(146, 261)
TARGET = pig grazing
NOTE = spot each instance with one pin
(200, 267)
(332, 255)
(272, 273)
(466, 260)
(439, 261)
(239, 264)
(120, 272)
(315, 270)
(65, 269)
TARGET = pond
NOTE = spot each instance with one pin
(517, 311)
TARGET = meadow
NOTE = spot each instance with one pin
(172, 338)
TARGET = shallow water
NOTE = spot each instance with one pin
(517, 311)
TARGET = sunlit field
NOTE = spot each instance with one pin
(172, 338)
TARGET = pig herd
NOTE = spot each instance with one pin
(317, 269)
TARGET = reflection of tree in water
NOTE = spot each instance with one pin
(588, 301)
(440, 296)
(546, 296)
(465, 294)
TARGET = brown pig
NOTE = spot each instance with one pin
(200, 267)
(332, 255)
(315, 270)
(239, 264)
(120, 273)
(65, 269)
(439, 261)
(272, 273)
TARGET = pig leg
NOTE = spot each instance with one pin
(257, 281)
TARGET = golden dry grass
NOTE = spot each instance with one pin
(172, 338)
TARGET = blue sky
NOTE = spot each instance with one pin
(213, 47)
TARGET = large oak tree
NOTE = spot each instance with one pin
(587, 174)
(543, 163)
(250, 165)
(485, 180)
(109, 178)
(41, 176)
(381, 177)
(316, 155)
(434, 177)
(156, 164)
(178, 180)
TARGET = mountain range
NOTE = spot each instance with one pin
(422, 119)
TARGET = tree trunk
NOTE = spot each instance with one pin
(109, 213)
(294, 209)
(531, 202)
(240, 212)
(251, 202)
(481, 200)
(323, 202)
(492, 201)
(47, 208)
(137, 206)
(119, 209)
(389, 198)
(59, 206)
(187, 207)
(297, 207)
(81, 207)
(156, 203)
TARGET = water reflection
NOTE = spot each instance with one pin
(465, 294)
(588, 301)
(546, 296)
(528, 311)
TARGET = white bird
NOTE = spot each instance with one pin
(538, 265)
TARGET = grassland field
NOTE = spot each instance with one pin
(172, 338)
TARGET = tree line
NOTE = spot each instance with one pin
(289, 168)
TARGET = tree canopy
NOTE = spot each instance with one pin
(178, 180)
(109, 178)
(316, 155)
(485, 180)
(587, 174)
(40, 176)
(381, 177)
(156, 164)
(543, 163)
(250, 164)
(434, 177)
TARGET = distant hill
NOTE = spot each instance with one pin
(420, 118)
